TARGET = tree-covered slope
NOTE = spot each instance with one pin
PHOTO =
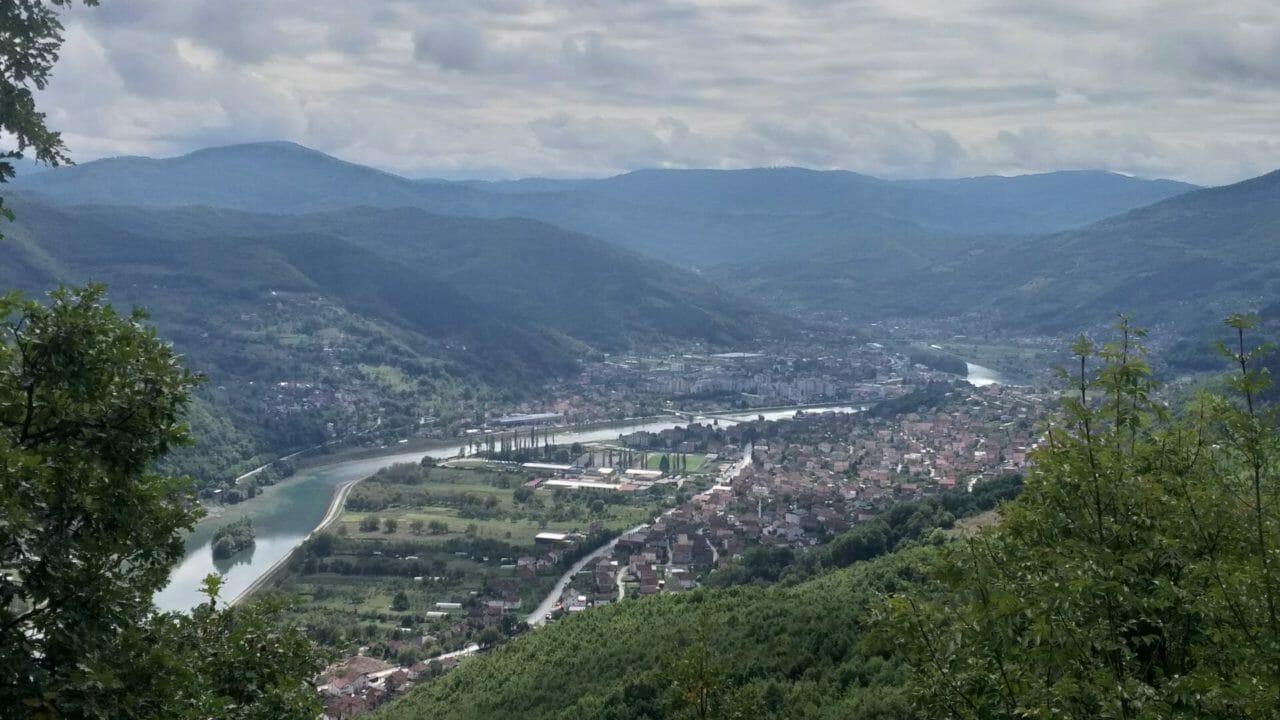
(702, 217)
(765, 652)
(310, 326)
(787, 636)
(1186, 261)
(264, 177)
(1059, 199)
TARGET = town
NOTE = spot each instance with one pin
(716, 487)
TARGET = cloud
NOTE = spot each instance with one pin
(905, 88)
(451, 46)
(880, 146)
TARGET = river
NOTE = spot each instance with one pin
(284, 514)
(982, 376)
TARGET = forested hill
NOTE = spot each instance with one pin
(262, 177)
(1187, 261)
(510, 270)
(1069, 198)
(796, 652)
(702, 217)
(366, 315)
(787, 634)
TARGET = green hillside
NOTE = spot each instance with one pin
(769, 652)
(266, 177)
(299, 321)
(1187, 261)
(787, 634)
(744, 225)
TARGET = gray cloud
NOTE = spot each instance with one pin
(451, 46)
(904, 88)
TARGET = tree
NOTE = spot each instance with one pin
(438, 527)
(1132, 578)
(244, 661)
(322, 545)
(489, 636)
(416, 526)
(698, 676)
(370, 523)
(664, 464)
(89, 400)
(400, 602)
(32, 32)
(390, 525)
(407, 657)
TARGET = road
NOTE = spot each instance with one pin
(468, 650)
(539, 615)
(715, 554)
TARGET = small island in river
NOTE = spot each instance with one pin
(232, 538)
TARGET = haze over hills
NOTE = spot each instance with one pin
(1060, 199)
(1190, 259)
(287, 177)
(264, 177)
(802, 239)
(699, 217)
(1184, 262)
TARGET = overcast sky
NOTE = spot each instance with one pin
(502, 88)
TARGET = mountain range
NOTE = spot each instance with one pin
(259, 259)
(313, 324)
(800, 239)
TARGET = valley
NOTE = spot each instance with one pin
(677, 360)
(448, 420)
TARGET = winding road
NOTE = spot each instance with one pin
(539, 615)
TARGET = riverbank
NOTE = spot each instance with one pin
(286, 513)
(272, 573)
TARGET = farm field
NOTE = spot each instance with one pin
(411, 537)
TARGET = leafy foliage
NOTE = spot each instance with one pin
(32, 35)
(233, 663)
(89, 532)
(1134, 578)
(232, 538)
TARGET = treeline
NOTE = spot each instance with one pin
(330, 553)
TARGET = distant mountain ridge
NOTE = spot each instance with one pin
(256, 177)
(370, 315)
(515, 270)
(1064, 198)
(1195, 257)
(1047, 251)
(693, 216)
